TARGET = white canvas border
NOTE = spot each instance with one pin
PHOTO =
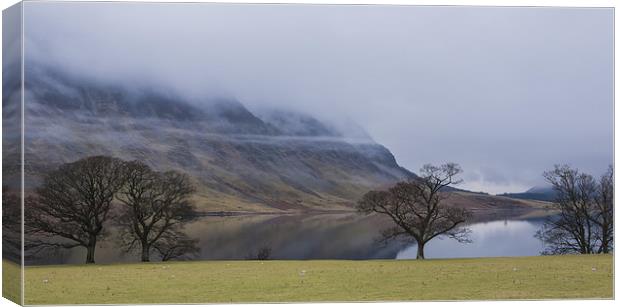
(549, 3)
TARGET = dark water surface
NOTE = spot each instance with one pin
(336, 236)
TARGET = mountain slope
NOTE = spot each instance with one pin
(269, 161)
(238, 161)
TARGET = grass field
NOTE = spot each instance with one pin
(11, 281)
(542, 277)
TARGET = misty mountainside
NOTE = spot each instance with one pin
(542, 193)
(239, 161)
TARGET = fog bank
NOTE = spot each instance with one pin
(505, 92)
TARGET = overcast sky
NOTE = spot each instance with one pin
(505, 92)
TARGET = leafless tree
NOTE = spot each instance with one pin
(262, 253)
(585, 222)
(175, 245)
(154, 207)
(73, 203)
(11, 224)
(417, 207)
(604, 211)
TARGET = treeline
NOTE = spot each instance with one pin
(78, 203)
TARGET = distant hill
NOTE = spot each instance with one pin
(481, 201)
(542, 193)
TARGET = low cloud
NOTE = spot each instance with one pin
(505, 92)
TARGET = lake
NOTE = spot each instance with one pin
(336, 236)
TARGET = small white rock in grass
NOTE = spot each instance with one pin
(593, 269)
(45, 281)
(514, 269)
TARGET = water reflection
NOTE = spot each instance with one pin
(489, 239)
(331, 236)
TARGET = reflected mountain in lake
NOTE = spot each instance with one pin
(336, 236)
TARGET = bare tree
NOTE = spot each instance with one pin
(11, 224)
(417, 208)
(585, 222)
(74, 203)
(604, 211)
(175, 245)
(262, 253)
(155, 206)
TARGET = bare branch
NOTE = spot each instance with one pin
(154, 205)
(416, 207)
(74, 202)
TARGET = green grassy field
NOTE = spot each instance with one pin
(11, 281)
(542, 277)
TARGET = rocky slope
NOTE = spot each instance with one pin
(239, 161)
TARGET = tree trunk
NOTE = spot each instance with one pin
(90, 249)
(605, 245)
(605, 240)
(420, 254)
(145, 252)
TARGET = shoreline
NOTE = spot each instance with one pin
(475, 212)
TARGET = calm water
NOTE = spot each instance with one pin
(489, 239)
(335, 236)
